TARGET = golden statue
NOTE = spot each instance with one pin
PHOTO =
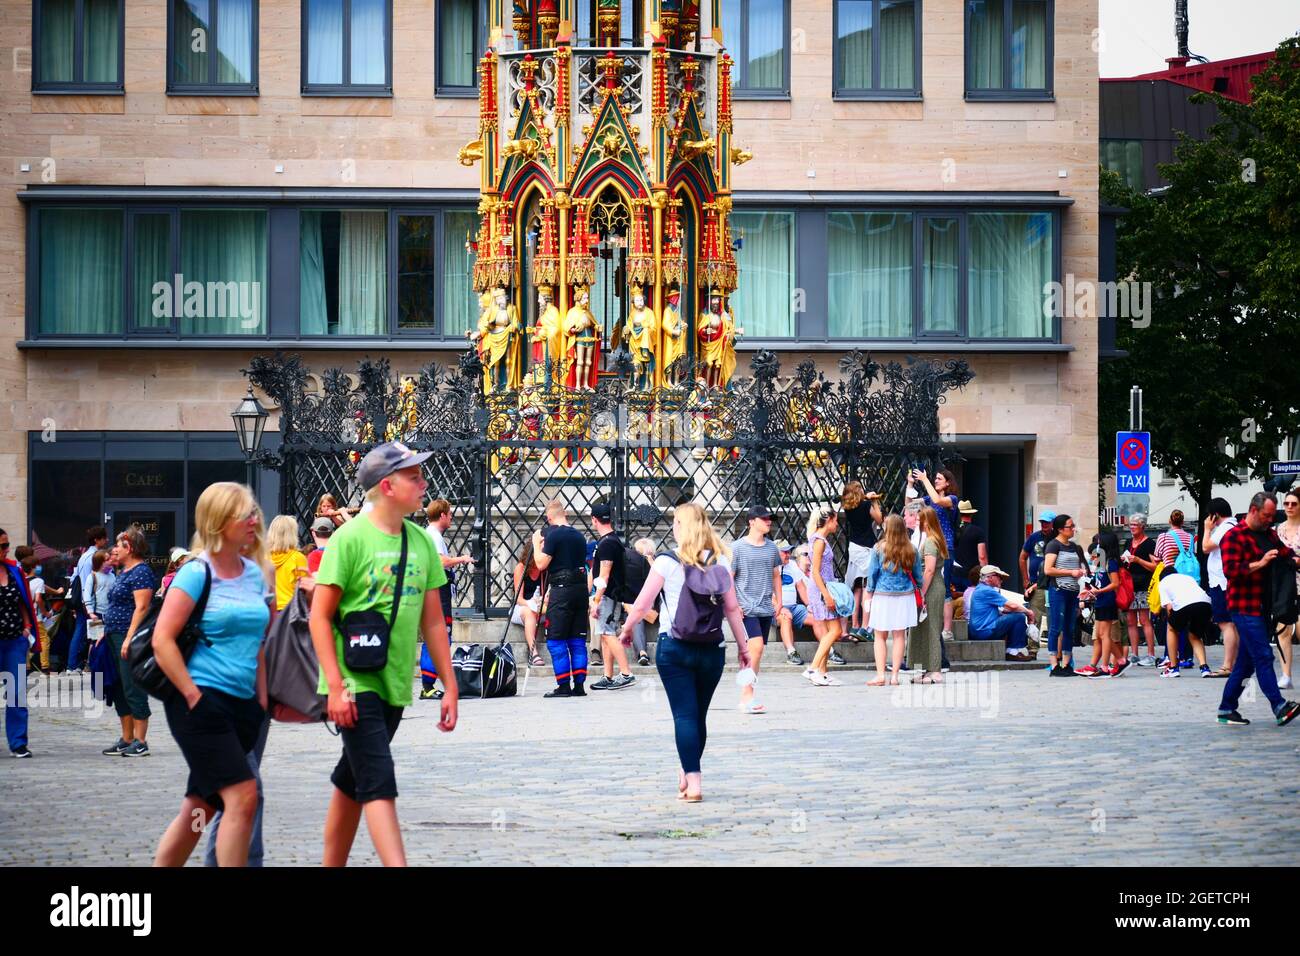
(547, 335)
(640, 338)
(496, 335)
(674, 337)
(717, 338)
(584, 339)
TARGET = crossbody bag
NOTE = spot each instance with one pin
(367, 634)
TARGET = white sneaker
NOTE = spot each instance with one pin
(947, 636)
(823, 680)
(1148, 661)
(1169, 672)
(1284, 683)
(810, 674)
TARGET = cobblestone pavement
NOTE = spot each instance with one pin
(1008, 767)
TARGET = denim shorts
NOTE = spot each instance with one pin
(1219, 606)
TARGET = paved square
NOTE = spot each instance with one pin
(1012, 767)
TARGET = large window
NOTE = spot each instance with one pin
(898, 275)
(757, 32)
(81, 276)
(459, 302)
(877, 49)
(343, 263)
(462, 35)
(1009, 49)
(764, 305)
(223, 267)
(212, 46)
(77, 46)
(347, 47)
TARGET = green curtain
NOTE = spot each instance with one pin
(1028, 44)
(363, 273)
(939, 275)
(190, 66)
(225, 251)
(869, 274)
(457, 44)
(1124, 156)
(853, 44)
(100, 40)
(57, 38)
(459, 304)
(151, 263)
(1010, 266)
(767, 37)
(762, 306)
(897, 44)
(80, 271)
(984, 45)
(235, 41)
(313, 313)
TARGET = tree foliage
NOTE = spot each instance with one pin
(1221, 249)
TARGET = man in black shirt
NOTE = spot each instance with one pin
(561, 553)
(606, 608)
(972, 543)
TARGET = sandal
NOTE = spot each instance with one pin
(928, 678)
(536, 660)
(753, 708)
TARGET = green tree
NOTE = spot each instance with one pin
(1221, 249)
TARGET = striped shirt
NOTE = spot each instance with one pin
(1167, 548)
(1069, 557)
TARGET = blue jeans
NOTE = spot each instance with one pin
(78, 639)
(690, 674)
(569, 659)
(255, 838)
(1255, 656)
(1062, 615)
(1010, 628)
(13, 685)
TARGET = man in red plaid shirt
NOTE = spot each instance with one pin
(1249, 552)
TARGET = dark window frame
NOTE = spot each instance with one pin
(962, 334)
(1006, 94)
(453, 90)
(346, 87)
(81, 86)
(212, 87)
(739, 87)
(850, 93)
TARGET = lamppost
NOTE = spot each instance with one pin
(250, 420)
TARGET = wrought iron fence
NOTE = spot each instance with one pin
(789, 444)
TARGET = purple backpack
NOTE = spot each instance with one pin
(700, 605)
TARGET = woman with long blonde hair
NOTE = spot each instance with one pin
(290, 564)
(690, 665)
(893, 578)
(927, 647)
(218, 713)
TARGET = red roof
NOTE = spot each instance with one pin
(1233, 75)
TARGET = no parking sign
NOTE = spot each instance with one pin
(1133, 463)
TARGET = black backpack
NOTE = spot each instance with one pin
(636, 568)
(145, 672)
(1284, 604)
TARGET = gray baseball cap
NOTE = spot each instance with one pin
(323, 526)
(382, 460)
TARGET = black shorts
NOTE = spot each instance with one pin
(1106, 612)
(1194, 618)
(566, 612)
(758, 626)
(365, 771)
(215, 739)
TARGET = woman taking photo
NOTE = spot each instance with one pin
(943, 496)
(219, 708)
(1289, 532)
(823, 613)
(128, 601)
(689, 670)
(861, 516)
(893, 577)
(528, 608)
(289, 563)
(1064, 566)
(926, 653)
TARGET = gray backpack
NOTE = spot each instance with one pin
(700, 605)
(292, 670)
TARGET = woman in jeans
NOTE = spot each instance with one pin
(926, 636)
(17, 624)
(218, 712)
(689, 671)
(1064, 566)
(893, 575)
(128, 600)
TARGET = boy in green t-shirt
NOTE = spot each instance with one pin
(359, 573)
